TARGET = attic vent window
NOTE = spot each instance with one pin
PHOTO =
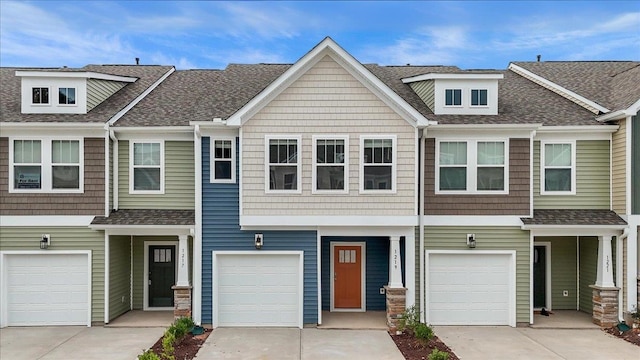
(40, 95)
(453, 97)
(479, 97)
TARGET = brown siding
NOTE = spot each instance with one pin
(91, 202)
(514, 203)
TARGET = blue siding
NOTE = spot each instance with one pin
(376, 270)
(221, 231)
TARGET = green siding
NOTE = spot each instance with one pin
(564, 269)
(119, 275)
(592, 178)
(99, 90)
(635, 165)
(65, 238)
(490, 238)
(588, 271)
(179, 182)
(426, 92)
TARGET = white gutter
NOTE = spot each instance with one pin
(579, 129)
(196, 300)
(422, 150)
(116, 172)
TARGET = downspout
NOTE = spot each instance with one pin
(116, 165)
(619, 274)
(106, 276)
(197, 236)
(421, 224)
(107, 170)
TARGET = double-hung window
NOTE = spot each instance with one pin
(283, 164)
(331, 164)
(453, 97)
(378, 164)
(223, 160)
(558, 168)
(479, 97)
(472, 166)
(47, 165)
(146, 171)
(40, 95)
(66, 96)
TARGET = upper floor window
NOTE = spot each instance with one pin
(472, 166)
(378, 163)
(67, 96)
(558, 170)
(453, 97)
(146, 171)
(479, 97)
(223, 160)
(48, 165)
(283, 164)
(330, 167)
(40, 95)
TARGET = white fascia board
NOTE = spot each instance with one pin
(519, 70)
(76, 74)
(574, 230)
(477, 131)
(472, 220)
(144, 94)
(586, 132)
(49, 129)
(621, 114)
(366, 231)
(175, 133)
(330, 48)
(455, 76)
(219, 132)
(315, 221)
(44, 220)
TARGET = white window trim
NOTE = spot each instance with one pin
(58, 96)
(267, 180)
(543, 167)
(472, 168)
(46, 166)
(162, 167)
(314, 181)
(41, 87)
(471, 98)
(394, 164)
(212, 160)
(444, 98)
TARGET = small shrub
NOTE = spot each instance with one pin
(438, 355)
(409, 318)
(181, 327)
(167, 345)
(423, 332)
(148, 355)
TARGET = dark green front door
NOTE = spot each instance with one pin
(539, 277)
(162, 275)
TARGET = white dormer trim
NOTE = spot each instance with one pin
(621, 114)
(76, 74)
(576, 98)
(328, 47)
(458, 76)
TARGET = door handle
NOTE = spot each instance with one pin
(335, 276)
(149, 281)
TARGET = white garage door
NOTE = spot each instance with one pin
(258, 289)
(473, 288)
(46, 289)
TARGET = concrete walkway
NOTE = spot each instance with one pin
(296, 344)
(501, 342)
(75, 342)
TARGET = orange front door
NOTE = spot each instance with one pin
(347, 277)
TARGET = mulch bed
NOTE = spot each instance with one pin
(632, 335)
(412, 349)
(187, 348)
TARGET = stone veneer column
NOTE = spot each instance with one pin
(181, 301)
(605, 305)
(396, 305)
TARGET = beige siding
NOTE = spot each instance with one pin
(619, 158)
(426, 92)
(99, 90)
(119, 275)
(516, 202)
(564, 269)
(490, 238)
(179, 181)
(327, 100)
(588, 270)
(592, 179)
(65, 238)
(91, 202)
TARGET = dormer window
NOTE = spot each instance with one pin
(67, 96)
(40, 95)
(479, 97)
(453, 97)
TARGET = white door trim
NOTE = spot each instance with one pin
(214, 288)
(363, 293)
(512, 276)
(145, 284)
(547, 272)
(4, 312)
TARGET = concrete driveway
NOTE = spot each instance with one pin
(75, 342)
(294, 344)
(501, 342)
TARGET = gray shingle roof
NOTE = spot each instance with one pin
(10, 97)
(147, 217)
(574, 217)
(612, 84)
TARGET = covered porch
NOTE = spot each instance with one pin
(576, 264)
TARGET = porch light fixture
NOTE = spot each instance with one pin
(471, 241)
(45, 241)
(259, 240)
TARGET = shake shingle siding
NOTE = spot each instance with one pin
(221, 231)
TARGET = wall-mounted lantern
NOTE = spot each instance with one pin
(471, 240)
(259, 240)
(45, 242)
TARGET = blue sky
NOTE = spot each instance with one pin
(212, 34)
